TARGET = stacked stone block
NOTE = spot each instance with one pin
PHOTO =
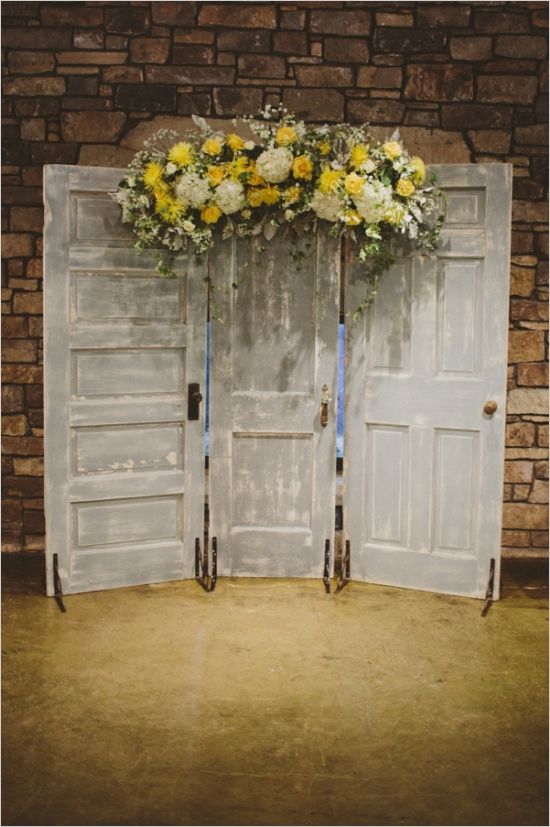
(86, 82)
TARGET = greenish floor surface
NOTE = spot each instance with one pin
(270, 702)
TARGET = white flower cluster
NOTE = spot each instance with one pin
(373, 201)
(230, 197)
(275, 164)
(328, 207)
(193, 190)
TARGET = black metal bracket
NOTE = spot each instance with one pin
(57, 590)
(490, 589)
(326, 569)
(194, 399)
(208, 582)
(345, 567)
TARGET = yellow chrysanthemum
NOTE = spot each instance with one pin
(302, 167)
(394, 215)
(270, 195)
(329, 180)
(392, 149)
(254, 179)
(285, 135)
(235, 142)
(353, 183)
(324, 147)
(216, 174)
(291, 195)
(210, 214)
(238, 167)
(213, 146)
(161, 190)
(254, 197)
(181, 154)
(352, 218)
(152, 175)
(169, 209)
(419, 175)
(359, 154)
(405, 187)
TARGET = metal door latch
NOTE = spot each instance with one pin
(326, 568)
(194, 399)
(325, 399)
(345, 567)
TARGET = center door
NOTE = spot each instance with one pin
(274, 363)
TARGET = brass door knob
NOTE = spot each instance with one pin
(490, 407)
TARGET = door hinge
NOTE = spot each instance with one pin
(57, 589)
(490, 589)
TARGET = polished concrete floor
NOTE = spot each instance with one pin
(269, 702)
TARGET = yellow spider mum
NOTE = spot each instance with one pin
(329, 180)
(392, 149)
(210, 214)
(285, 135)
(270, 195)
(152, 175)
(324, 147)
(169, 209)
(235, 142)
(405, 187)
(181, 154)
(238, 166)
(359, 155)
(213, 146)
(302, 167)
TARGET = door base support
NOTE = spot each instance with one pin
(57, 590)
(345, 568)
(326, 568)
(207, 581)
(490, 589)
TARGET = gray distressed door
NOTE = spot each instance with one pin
(423, 461)
(124, 468)
(272, 463)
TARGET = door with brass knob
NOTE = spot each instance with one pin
(424, 436)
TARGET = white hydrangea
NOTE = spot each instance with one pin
(328, 206)
(230, 197)
(275, 164)
(193, 190)
(373, 201)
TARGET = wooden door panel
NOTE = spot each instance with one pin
(272, 465)
(423, 463)
(124, 468)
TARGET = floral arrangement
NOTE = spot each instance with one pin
(178, 192)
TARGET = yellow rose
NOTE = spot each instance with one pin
(216, 174)
(394, 215)
(181, 154)
(152, 175)
(324, 148)
(353, 184)
(254, 179)
(302, 167)
(405, 187)
(213, 146)
(419, 175)
(235, 142)
(285, 135)
(359, 155)
(210, 214)
(352, 218)
(329, 180)
(392, 149)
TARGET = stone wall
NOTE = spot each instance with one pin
(84, 83)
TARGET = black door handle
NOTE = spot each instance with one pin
(194, 399)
